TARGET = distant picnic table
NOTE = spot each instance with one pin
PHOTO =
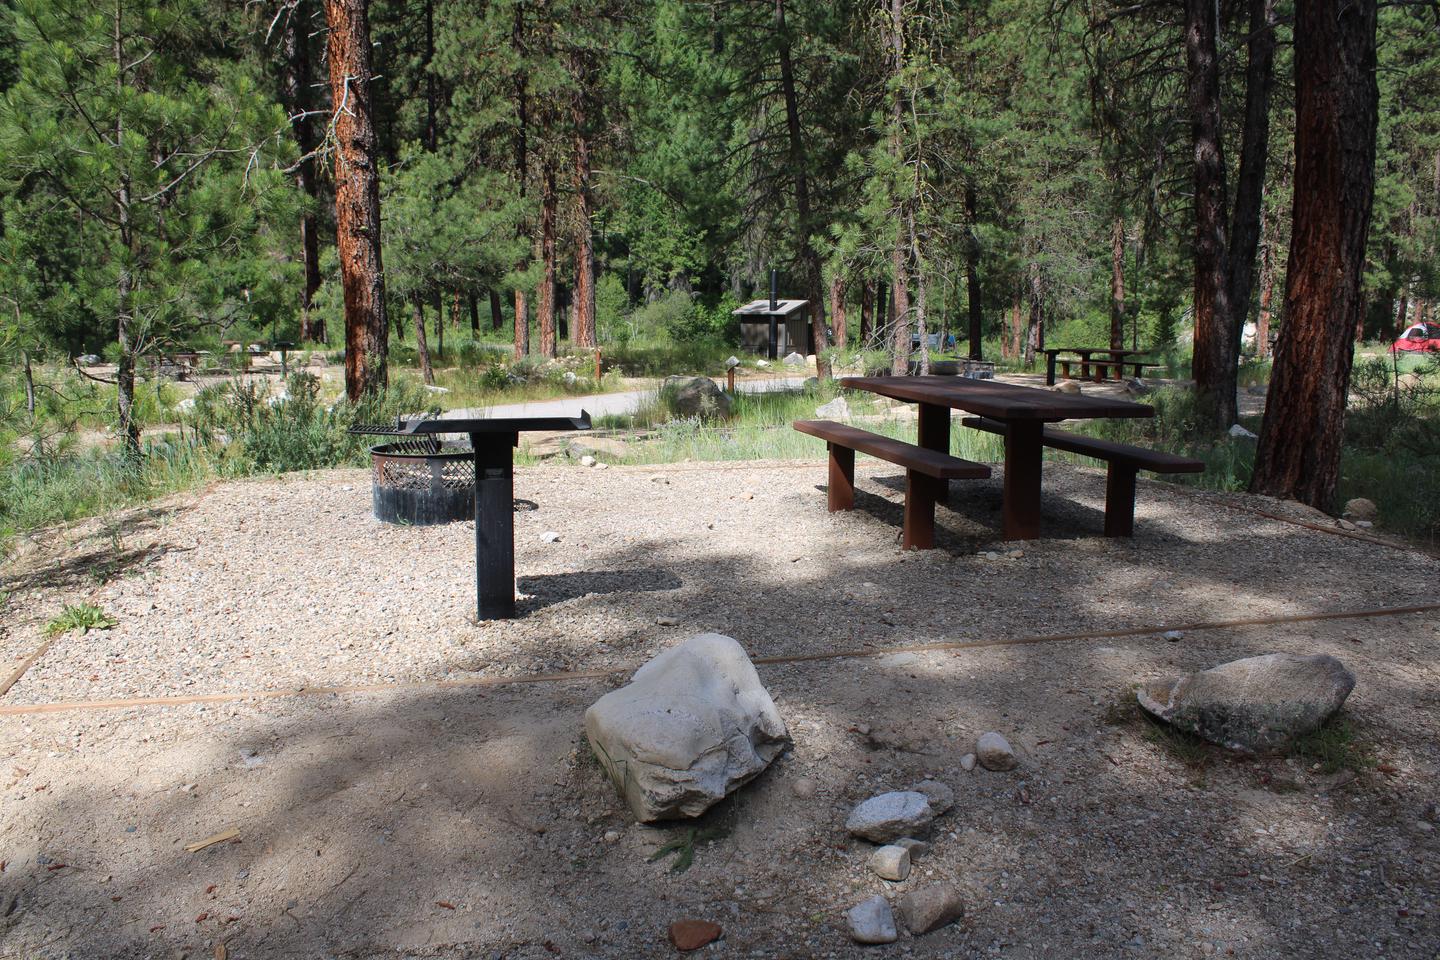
(1108, 358)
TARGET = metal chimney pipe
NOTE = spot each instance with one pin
(774, 274)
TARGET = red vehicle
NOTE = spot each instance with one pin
(1421, 337)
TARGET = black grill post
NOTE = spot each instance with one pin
(494, 524)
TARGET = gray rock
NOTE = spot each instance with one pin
(931, 907)
(1359, 509)
(695, 397)
(1258, 704)
(967, 762)
(1240, 433)
(872, 921)
(1173, 635)
(890, 862)
(597, 447)
(549, 536)
(804, 788)
(692, 726)
(994, 752)
(917, 848)
(588, 461)
(794, 360)
(762, 363)
(890, 816)
(835, 409)
(1066, 386)
(941, 797)
(732, 362)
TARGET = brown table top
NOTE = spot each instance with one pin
(1000, 401)
(1114, 351)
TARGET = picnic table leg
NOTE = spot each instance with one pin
(1021, 508)
(918, 532)
(494, 525)
(1049, 368)
(1120, 500)
(841, 495)
(933, 433)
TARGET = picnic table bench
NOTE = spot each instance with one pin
(1104, 361)
(1123, 462)
(927, 474)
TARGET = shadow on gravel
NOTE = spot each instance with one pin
(545, 589)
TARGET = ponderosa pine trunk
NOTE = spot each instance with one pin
(497, 317)
(838, 320)
(422, 346)
(1267, 292)
(522, 173)
(867, 312)
(583, 108)
(357, 198)
(974, 303)
(1117, 284)
(899, 268)
(1246, 221)
(545, 296)
(1336, 105)
(807, 228)
(125, 333)
(1212, 364)
(296, 82)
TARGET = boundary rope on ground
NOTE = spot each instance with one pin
(21, 709)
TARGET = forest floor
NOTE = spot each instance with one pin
(402, 781)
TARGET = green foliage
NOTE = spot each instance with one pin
(81, 618)
(293, 430)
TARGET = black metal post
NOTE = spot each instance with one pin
(774, 302)
(771, 351)
(494, 525)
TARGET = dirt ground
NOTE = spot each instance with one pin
(453, 810)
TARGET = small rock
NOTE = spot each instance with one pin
(994, 752)
(804, 788)
(1360, 508)
(549, 536)
(1345, 524)
(612, 836)
(1364, 524)
(930, 908)
(917, 848)
(872, 921)
(1066, 386)
(587, 461)
(837, 409)
(890, 816)
(732, 363)
(794, 360)
(762, 363)
(941, 797)
(1240, 433)
(667, 621)
(967, 762)
(693, 934)
(1173, 635)
(890, 862)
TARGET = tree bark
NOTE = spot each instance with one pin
(900, 288)
(1212, 365)
(522, 172)
(867, 313)
(545, 309)
(1246, 219)
(838, 320)
(1035, 330)
(128, 429)
(921, 314)
(474, 316)
(422, 346)
(496, 314)
(1402, 315)
(357, 198)
(806, 225)
(1267, 292)
(295, 83)
(583, 107)
(1336, 105)
(974, 303)
(522, 324)
(1015, 325)
(1117, 284)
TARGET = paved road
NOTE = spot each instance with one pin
(601, 404)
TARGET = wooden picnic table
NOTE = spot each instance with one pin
(1118, 358)
(1023, 410)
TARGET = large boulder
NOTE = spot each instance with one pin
(693, 725)
(695, 397)
(1254, 705)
